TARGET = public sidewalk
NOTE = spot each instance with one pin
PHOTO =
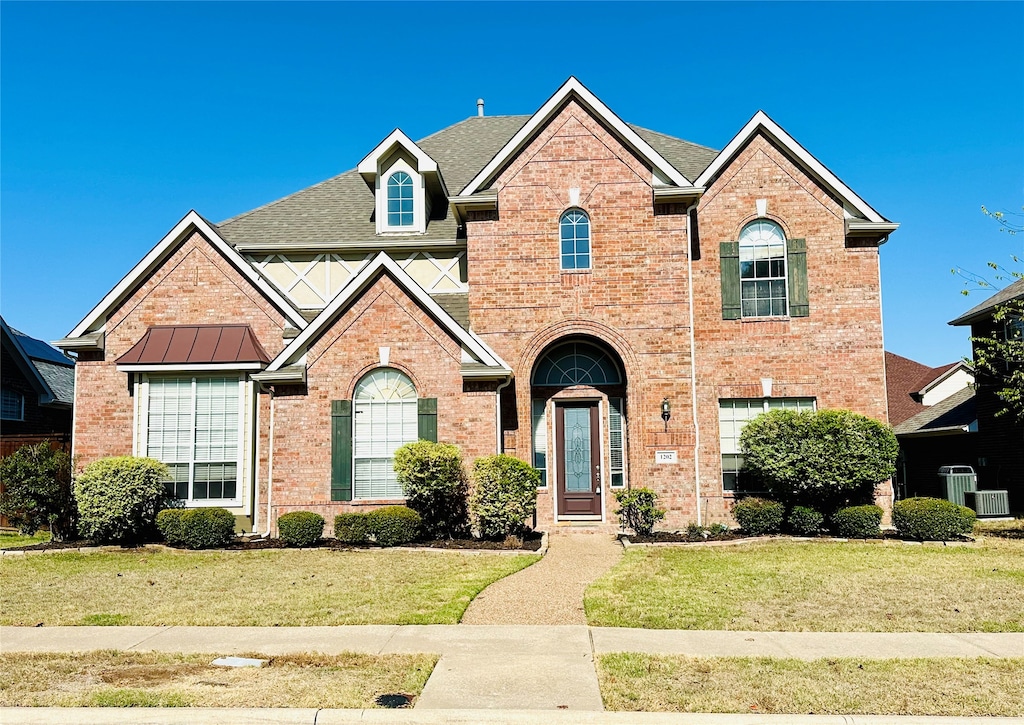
(510, 668)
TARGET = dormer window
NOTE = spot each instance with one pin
(400, 200)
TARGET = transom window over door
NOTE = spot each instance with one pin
(385, 410)
(400, 200)
(193, 427)
(574, 233)
(762, 249)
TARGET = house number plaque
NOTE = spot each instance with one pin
(666, 457)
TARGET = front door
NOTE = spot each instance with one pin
(579, 459)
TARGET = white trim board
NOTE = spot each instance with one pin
(356, 286)
(572, 87)
(761, 122)
(189, 223)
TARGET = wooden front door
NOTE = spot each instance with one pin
(578, 445)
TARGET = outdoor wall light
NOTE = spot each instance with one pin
(666, 412)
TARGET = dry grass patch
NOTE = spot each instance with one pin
(819, 587)
(1006, 529)
(153, 679)
(251, 588)
(958, 687)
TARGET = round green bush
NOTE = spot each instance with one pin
(857, 522)
(394, 525)
(300, 528)
(639, 510)
(118, 498)
(931, 519)
(504, 495)
(435, 486)
(759, 516)
(352, 528)
(805, 521)
(201, 528)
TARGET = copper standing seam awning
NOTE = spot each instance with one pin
(197, 345)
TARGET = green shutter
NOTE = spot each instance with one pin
(426, 410)
(729, 254)
(341, 450)
(797, 263)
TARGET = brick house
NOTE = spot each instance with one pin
(606, 302)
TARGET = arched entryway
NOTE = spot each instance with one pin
(578, 410)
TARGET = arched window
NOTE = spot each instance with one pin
(384, 403)
(574, 233)
(576, 363)
(400, 200)
(762, 249)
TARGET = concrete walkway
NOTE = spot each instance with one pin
(550, 591)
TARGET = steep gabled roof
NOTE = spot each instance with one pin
(761, 123)
(906, 379)
(190, 223)
(572, 89)
(482, 360)
(986, 308)
(50, 373)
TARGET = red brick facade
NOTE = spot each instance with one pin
(633, 302)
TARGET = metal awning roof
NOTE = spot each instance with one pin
(197, 345)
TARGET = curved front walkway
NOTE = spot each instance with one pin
(550, 591)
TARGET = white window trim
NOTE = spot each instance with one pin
(140, 445)
(590, 243)
(419, 200)
(399, 498)
(785, 267)
(765, 407)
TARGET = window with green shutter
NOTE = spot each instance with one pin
(386, 415)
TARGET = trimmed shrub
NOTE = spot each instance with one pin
(718, 531)
(857, 522)
(394, 525)
(37, 490)
(759, 516)
(825, 460)
(504, 496)
(202, 528)
(435, 486)
(931, 519)
(352, 528)
(639, 510)
(300, 528)
(118, 498)
(805, 521)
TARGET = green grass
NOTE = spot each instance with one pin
(155, 679)
(958, 687)
(13, 538)
(790, 586)
(257, 588)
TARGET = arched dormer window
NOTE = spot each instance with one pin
(763, 283)
(400, 200)
(574, 236)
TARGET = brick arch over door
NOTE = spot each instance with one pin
(589, 330)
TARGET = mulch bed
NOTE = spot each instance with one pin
(679, 537)
(531, 542)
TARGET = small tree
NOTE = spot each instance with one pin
(435, 486)
(504, 495)
(118, 498)
(37, 490)
(824, 460)
(639, 510)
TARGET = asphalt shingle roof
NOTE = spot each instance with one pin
(974, 314)
(338, 212)
(956, 411)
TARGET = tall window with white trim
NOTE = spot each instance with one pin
(384, 404)
(574, 235)
(193, 426)
(733, 416)
(400, 200)
(762, 248)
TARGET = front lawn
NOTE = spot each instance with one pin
(958, 687)
(155, 679)
(250, 588)
(822, 587)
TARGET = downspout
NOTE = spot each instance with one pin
(498, 443)
(256, 455)
(693, 369)
(270, 465)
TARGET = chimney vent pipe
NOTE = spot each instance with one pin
(480, 107)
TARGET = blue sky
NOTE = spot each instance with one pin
(117, 118)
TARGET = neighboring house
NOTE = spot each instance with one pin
(932, 411)
(1000, 437)
(606, 302)
(37, 390)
